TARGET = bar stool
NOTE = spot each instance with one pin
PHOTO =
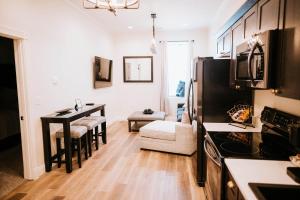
(100, 121)
(90, 125)
(77, 134)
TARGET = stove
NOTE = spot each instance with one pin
(251, 145)
(274, 142)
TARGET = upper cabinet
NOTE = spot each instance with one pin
(224, 45)
(227, 43)
(250, 22)
(268, 15)
(237, 35)
(257, 16)
(289, 71)
(220, 45)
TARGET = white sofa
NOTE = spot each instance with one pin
(167, 136)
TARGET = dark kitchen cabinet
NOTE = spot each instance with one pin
(220, 45)
(250, 22)
(259, 16)
(237, 31)
(224, 43)
(289, 71)
(237, 35)
(232, 191)
(227, 43)
(268, 15)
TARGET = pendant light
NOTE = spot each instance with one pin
(153, 47)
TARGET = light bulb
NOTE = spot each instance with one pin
(153, 46)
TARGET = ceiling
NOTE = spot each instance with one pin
(171, 15)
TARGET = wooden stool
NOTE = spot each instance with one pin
(77, 134)
(100, 121)
(90, 125)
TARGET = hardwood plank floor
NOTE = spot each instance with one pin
(118, 170)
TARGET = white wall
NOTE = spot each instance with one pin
(264, 97)
(60, 45)
(138, 96)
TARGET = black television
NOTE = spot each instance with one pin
(102, 72)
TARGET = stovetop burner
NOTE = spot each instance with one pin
(239, 148)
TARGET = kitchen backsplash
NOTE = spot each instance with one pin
(266, 98)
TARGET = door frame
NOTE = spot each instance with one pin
(27, 140)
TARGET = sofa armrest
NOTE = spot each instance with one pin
(184, 131)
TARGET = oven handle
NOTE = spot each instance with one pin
(250, 57)
(214, 159)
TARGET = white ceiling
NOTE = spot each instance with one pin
(171, 15)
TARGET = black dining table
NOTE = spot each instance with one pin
(65, 119)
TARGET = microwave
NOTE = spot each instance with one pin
(255, 63)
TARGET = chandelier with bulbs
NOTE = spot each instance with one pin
(111, 5)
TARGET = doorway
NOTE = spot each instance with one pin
(11, 160)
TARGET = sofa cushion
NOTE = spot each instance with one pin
(163, 130)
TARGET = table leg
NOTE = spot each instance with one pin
(67, 141)
(102, 112)
(129, 126)
(47, 146)
(97, 137)
(103, 129)
(103, 126)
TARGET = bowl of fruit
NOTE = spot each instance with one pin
(240, 113)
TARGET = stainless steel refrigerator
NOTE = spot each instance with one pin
(209, 99)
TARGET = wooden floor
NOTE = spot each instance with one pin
(118, 170)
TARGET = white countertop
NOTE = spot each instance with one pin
(245, 171)
(225, 127)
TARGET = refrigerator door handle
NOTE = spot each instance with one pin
(190, 91)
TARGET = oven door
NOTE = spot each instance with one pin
(213, 184)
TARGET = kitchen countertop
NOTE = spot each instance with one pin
(225, 127)
(245, 171)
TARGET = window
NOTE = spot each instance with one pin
(178, 66)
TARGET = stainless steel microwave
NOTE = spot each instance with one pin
(255, 64)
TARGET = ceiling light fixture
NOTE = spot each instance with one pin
(153, 46)
(111, 5)
(130, 27)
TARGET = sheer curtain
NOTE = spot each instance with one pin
(164, 78)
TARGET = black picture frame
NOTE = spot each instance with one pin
(137, 57)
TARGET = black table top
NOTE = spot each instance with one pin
(73, 113)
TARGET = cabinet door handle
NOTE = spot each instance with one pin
(230, 184)
(275, 91)
(251, 56)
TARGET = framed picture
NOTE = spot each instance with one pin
(138, 69)
(78, 103)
